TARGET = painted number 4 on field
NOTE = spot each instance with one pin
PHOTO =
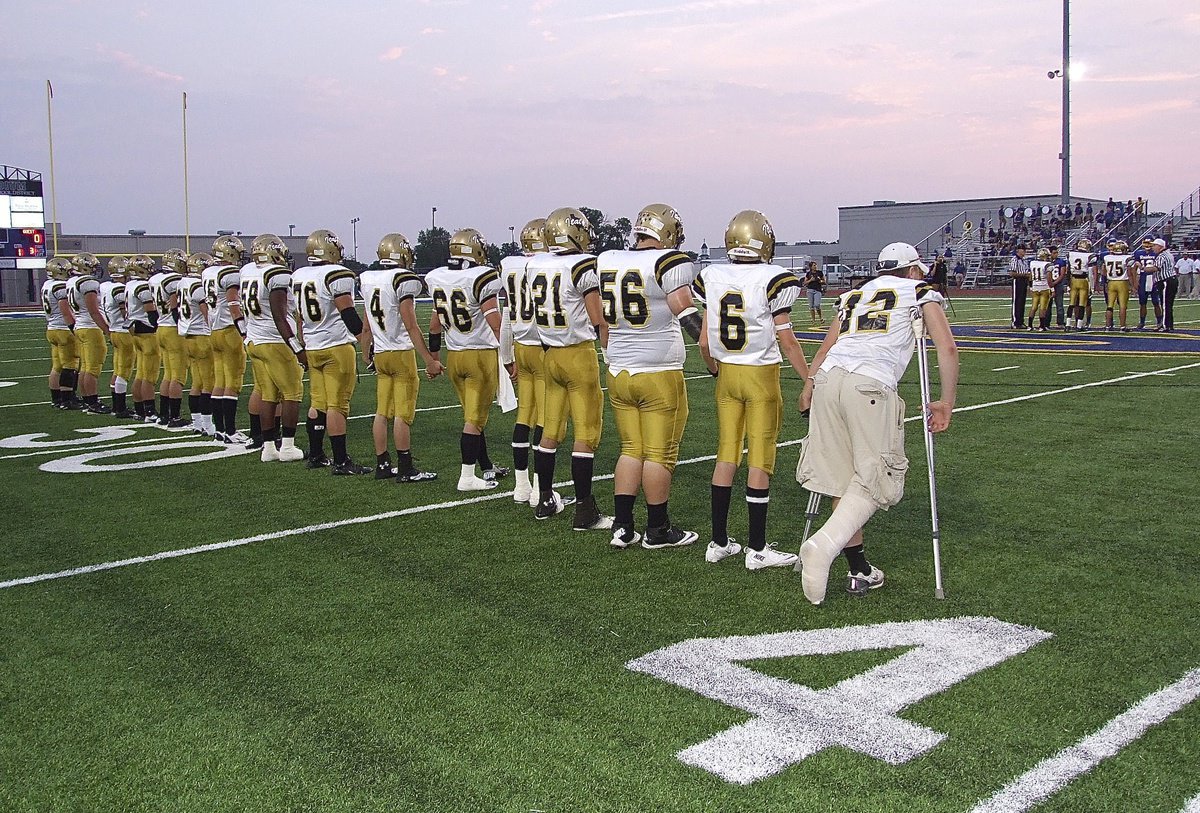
(792, 722)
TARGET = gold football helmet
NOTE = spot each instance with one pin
(198, 261)
(324, 246)
(141, 266)
(228, 250)
(58, 267)
(567, 231)
(1084, 245)
(175, 261)
(533, 237)
(268, 249)
(1044, 254)
(660, 222)
(85, 265)
(1118, 246)
(395, 251)
(749, 236)
(116, 267)
(468, 244)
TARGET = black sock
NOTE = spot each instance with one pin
(54, 396)
(163, 407)
(543, 467)
(404, 463)
(656, 515)
(383, 461)
(287, 431)
(468, 447)
(269, 436)
(176, 404)
(338, 442)
(206, 403)
(582, 468)
(90, 399)
(721, 496)
(316, 435)
(623, 508)
(193, 404)
(520, 447)
(256, 430)
(858, 560)
(485, 461)
(536, 438)
(119, 402)
(757, 502)
(139, 409)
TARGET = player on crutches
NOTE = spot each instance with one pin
(854, 451)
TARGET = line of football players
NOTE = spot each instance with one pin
(1112, 271)
(529, 334)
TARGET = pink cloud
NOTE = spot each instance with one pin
(430, 30)
(131, 63)
(392, 54)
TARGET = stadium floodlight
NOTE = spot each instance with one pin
(918, 324)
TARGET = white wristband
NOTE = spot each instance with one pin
(687, 312)
(295, 345)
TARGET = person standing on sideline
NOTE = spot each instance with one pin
(1018, 269)
(1166, 280)
(1185, 268)
(854, 452)
(814, 285)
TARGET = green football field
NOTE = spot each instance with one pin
(189, 629)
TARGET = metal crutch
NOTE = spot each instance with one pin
(810, 513)
(923, 371)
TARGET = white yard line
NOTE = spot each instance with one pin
(1054, 773)
(307, 529)
(1068, 372)
(1192, 806)
(1002, 369)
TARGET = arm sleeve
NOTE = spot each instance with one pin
(340, 282)
(927, 294)
(487, 285)
(277, 278)
(782, 291)
(698, 286)
(88, 286)
(407, 286)
(506, 338)
(584, 275)
(229, 278)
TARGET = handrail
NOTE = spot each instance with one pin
(1192, 201)
(939, 230)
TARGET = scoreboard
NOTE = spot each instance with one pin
(22, 220)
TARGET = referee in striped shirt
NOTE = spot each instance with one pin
(1166, 281)
(1018, 269)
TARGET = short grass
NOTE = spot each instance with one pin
(470, 659)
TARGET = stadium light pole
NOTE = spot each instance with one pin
(291, 229)
(433, 219)
(187, 212)
(1064, 73)
(354, 235)
(50, 129)
(512, 236)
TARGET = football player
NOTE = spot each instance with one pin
(647, 295)
(855, 446)
(747, 323)
(1142, 264)
(1041, 288)
(1082, 267)
(1115, 264)
(222, 284)
(522, 331)
(564, 285)
(112, 302)
(276, 352)
(197, 343)
(60, 326)
(165, 287)
(392, 340)
(331, 325)
(466, 308)
(83, 293)
(143, 321)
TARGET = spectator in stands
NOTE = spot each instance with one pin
(1089, 215)
(1018, 271)
(1003, 219)
(937, 274)
(1079, 213)
(960, 273)
(1140, 210)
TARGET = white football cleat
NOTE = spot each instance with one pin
(857, 584)
(239, 437)
(269, 453)
(288, 454)
(522, 490)
(475, 484)
(716, 553)
(624, 537)
(768, 557)
(816, 560)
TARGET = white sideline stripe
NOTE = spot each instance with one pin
(1192, 806)
(171, 554)
(1002, 369)
(31, 403)
(1068, 372)
(190, 436)
(1054, 773)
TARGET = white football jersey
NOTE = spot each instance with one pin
(137, 296)
(457, 296)
(77, 290)
(557, 285)
(1078, 263)
(520, 301)
(1039, 271)
(317, 289)
(876, 338)
(643, 334)
(1116, 267)
(257, 283)
(163, 285)
(53, 292)
(383, 290)
(741, 300)
(192, 321)
(217, 281)
(112, 302)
